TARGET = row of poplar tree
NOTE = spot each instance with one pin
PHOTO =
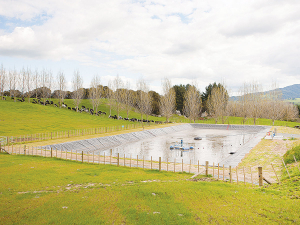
(186, 99)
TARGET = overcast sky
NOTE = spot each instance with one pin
(223, 41)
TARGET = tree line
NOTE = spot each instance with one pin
(182, 99)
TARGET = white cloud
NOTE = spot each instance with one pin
(183, 40)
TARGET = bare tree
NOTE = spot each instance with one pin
(244, 103)
(128, 98)
(192, 102)
(44, 84)
(3, 81)
(22, 81)
(275, 109)
(13, 83)
(37, 82)
(167, 101)
(28, 83)
(290, 111)
(50, 83)
(95, 93)
(142, 96)
(77, 89)
(255, 100)
(118, 87)
(61, 84)
(109, 95)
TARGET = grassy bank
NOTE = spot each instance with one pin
(64, 192)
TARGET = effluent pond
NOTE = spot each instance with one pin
(215, 146)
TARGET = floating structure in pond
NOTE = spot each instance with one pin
(198, 138)
(181, 146)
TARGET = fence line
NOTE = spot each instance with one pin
(238, 175)
(67, 134)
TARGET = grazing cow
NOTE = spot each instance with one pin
(74, 109)
(104, 113)
(55, 105)
(51, 102)
(69, 108)
(64, 105)
(83, 106)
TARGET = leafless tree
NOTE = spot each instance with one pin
(3, 81)
(13, 83)
(37, 82)
(118, 87)
(255, 101)
(142, 97)
(290, 111)
(44, 84)
(28, 83)
(192, 102)
(244, 103)
(61, 84)
(77, 89)
(128, 98)
(275, 104)
(167, 101)
(109, 95)
(50, 83)
(217, 102)
(95, 93)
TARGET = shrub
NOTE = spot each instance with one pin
(289, 155)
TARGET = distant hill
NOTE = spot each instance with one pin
(288, 92)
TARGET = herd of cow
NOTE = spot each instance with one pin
(87, 110)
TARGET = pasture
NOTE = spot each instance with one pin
(47, 190)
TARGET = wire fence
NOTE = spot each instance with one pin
(240, 175)
(8, 140)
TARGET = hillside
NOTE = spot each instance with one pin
(288, 93)
(20, 118)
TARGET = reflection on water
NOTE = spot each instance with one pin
(214, 146)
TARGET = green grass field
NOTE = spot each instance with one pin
(23, 118)
(52, 191)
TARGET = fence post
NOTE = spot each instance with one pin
(51, 152)
(296, 162)
(82, 156)
(275, 173)
(230, 174)
(174, 164)
(218, 171)
(118, 159)
(237, 176)
(167, 164)
(251, 176)
(24, 149)
(286, 168)
(159, 164)
(260, 176)
(206, 168)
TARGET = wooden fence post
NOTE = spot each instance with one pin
(206, 168)
(237, 175)
(251, 176)
(230, 174)
(218, 171)
(118, 162)
(159, 164)
(167, 164)
(24, 149)
(174, 164)
(275, 173)
(244, 175)
(51, 152)
(260, 176)
(286, 168)
(296, 162)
